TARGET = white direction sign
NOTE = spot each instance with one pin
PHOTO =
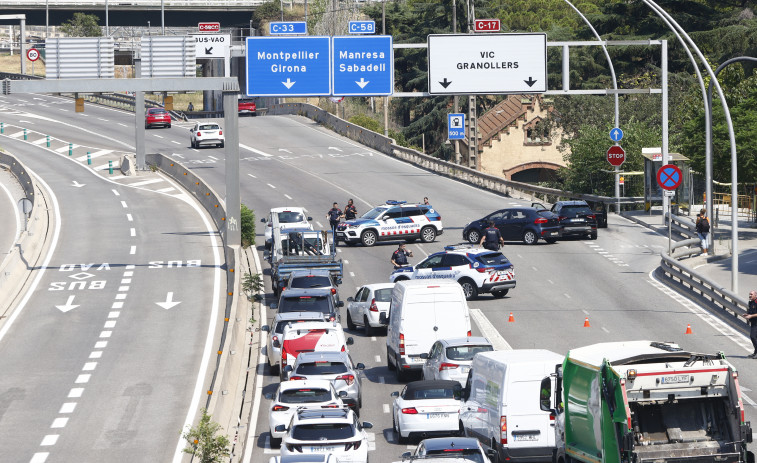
(469, 64)
(212, 45)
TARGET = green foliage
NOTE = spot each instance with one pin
(398, 137)
(363, 120)
(247, 224)
(203, 442)
(82, 25)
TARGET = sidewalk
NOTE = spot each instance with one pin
(717, 266)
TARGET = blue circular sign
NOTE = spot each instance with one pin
(616, 134)
(669, 177)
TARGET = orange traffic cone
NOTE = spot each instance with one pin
(586, 323)
(511, 319)
(688, 328)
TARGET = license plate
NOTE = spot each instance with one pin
(322, 448)
(525, 437)
(416, 360)
(433, 416)
(339, 234)
(554, 233)
(503, 274)
(465, 369)
(577, 220)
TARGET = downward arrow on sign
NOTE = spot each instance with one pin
(68, 305)
(362, 82)
(288, 83)
(169, 302)
(530, 81)
(209, 51)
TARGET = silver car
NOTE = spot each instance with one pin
(276, 329)
(336, 367)
(452, 358)
(370, 307)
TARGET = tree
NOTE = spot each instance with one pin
(202, 440)
(247, 225)
(82, 25)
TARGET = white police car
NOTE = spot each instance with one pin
(392, 221)
(478, 270)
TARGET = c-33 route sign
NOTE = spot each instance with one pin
(468, 64)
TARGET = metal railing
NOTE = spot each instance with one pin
(126, 102)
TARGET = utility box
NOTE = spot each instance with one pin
(79, 105)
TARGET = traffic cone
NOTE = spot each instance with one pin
(688, 328)
(511, 319)
(586, 323)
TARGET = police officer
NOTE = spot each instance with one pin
(334, 214)
(350, 211)
(400, 255)
(492, 238)
(751, 315)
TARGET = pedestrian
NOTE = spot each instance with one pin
(492, 238)
(400, 255)
(350, 211)
(703, 229)
(190, 107)
(425, 201)
(334, 214)
(751, 315)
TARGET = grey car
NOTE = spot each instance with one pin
(276, 329)
(451, 358)
(309, 300)
(336, 367)
(316, 278)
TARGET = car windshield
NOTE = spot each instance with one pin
(321, 368)
(383, 295)
(156, 111)
(465, 454)
(303, 396)
(209, 127)
(572, 211)
(311, 281)
(305, 304)
(375, 212)
(281, 325)
(290, 217)
(323, 431)
(434, 393)
(493, 258)
(466, 352)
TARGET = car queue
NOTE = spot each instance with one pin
(428, 334)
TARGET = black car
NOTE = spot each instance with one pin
(576, 218)
(515, 224)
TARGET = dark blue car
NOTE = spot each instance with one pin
(525, 224)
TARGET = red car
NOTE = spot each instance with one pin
(247, 106)
(157, 117)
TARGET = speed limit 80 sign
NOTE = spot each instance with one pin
(32, 54)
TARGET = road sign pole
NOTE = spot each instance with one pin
(670, 227)
(617, 190)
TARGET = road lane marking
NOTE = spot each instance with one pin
(117, 305)
(271, 186)
(101, 344)
(122, 125)
(378, 359)
(67, 407)
(174, 141)
(96, 354)
(566, 295)
(75, 393)
(319, 224)
(89, 366)
(551, 282)
(59, 423)
(346, 261)
(81, 379)
(123, 204)
(146, 182)
(605, 330)
(249, 148)
(40, 457)
(584, 311)
(213, 158)
(289, 197)
(49, 439)
(105, 334)
(133, 231)
(65, 148)
(39, 141)
(489, 331)
(535, 269)
(373, 338)
(115, 192)
(352, 274)
(156, 135)
(386, 408)
(251, 175)
(133, 250)
(110, 324)
(165, 190)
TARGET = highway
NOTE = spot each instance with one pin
(292, 161)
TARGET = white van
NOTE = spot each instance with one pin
(421, 313)
(501, 404)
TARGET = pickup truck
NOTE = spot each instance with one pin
(301, 249)
(644, 402)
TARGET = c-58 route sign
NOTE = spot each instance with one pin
(468, 64)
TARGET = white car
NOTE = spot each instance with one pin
(289, 217)
(427, 408)
(293, 394)
(478, 270)
(467, 449)
(320, 431)
(452, 358)
(395, 220)
(276, 331)
(370, 307)
(206, 133)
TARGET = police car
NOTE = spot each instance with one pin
(478, 270)
(391, 221)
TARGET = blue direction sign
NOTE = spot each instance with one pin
(363, 66)
(288, 66)
(456, 126)
(291, 27)
(362, 27)
(616, 134)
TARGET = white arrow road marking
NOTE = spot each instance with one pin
(362, 82)
(78, 185)
(285, 150)
(169, 302)
(68, 305)
(335, 148)
(249, 148)
(288, 84)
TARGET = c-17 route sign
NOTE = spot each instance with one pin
(468, 64)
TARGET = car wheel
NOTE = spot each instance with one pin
(350, 323)
(389, 363)
(428, 234)
(400, 375)
(369, 238)
(501, 293)
(147, 126)
(367, 326)
(275, 442)
(168, 126)
(529, 237)
(274, 369)
(474, 236)
(469, 288)
(221, 145)
(594, 235)
(550, 240)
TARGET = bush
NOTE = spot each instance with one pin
(367, 122)
(203, 442)
(247, 224)
(399, 138)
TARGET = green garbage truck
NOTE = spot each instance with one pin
(646, 402)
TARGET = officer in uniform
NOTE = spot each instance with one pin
(492, 238)
(334, 214)
(350, 211)
(400, 255)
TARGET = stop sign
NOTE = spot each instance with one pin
(616, 155)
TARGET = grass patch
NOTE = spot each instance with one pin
(12, 64)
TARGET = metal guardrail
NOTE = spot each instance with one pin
(12, 76)
(694, 281)
(127, 102)
(684, 229)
